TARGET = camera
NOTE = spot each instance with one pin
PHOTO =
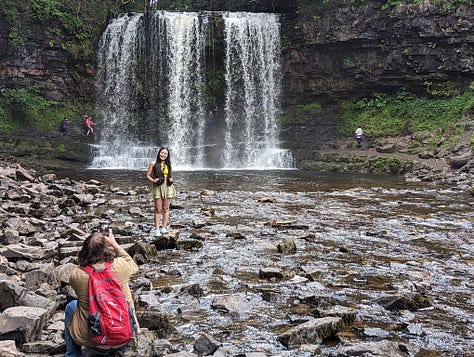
(104, 226)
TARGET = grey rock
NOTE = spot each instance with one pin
(381, 348)
(270, 272)
(8, 349)
(288, 246)
(311, 332)
(22, 323)
(206, 344)
(457, 162)
(187, 244)
(44, 274)
(62, 272)
(155, 321)
(22, 251)
(231, 303)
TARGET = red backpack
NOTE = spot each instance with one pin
(111, 319)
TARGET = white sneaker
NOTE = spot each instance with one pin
(163, 230)
(157, 233)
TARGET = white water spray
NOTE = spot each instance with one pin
(151, 92)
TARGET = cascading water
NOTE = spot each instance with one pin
(117, 95)
(153, 91)
(176, 55)
(252, 76)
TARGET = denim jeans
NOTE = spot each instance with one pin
(97, 352)
(72, 348)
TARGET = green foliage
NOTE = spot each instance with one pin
(74, 25)
(389, 4)
(394, 166)
(447, 5)
(301, 113)
(15, 38)
(11, 12)
(382, 115)
(25, 109)
(7, 125)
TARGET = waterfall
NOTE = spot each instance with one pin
(153, 85)
(184, 36)
(252, 76)
(117, 92)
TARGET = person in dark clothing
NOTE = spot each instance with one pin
(64, 126)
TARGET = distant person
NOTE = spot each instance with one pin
(97, 249)
(64, 126)
(160, 173)
(359, 136)
(89, 125)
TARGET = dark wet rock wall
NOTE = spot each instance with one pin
(330, 52)
(43, 60)
(345, 52)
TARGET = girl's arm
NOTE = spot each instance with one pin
(148, 173)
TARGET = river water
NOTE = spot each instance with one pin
(367, 236)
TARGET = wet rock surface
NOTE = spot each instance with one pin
(378, 269)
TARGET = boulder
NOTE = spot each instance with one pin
(22, 323)
(44, 274)
(379, 348)
(13, 294)
(189, 244)
(231, 303)
(8, 349)
(457, 162)
(206, 344)
(270, 272)
(311, 332)
(22, 251)
(165, 242)
(144, 249)
(155, 321)
(347, 314)
(408, 301)
(63, 272)
(288, 246)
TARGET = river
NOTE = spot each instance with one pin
(367, 237)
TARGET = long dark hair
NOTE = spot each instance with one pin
(95, 250)
(157, 172)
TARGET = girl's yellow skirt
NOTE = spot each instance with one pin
(163, 191)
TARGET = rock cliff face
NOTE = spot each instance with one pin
(329, 53)
(341, 52)
(42, 60)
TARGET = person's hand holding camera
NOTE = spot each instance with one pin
(110, 239)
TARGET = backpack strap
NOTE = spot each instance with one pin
(90, 269)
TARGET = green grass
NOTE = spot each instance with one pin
(26, 109)
(301, 114)
(382, 115)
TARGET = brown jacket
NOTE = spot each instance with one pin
(123, 267)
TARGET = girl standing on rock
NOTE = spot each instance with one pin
(161, 174)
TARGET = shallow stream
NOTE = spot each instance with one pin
(368, 236)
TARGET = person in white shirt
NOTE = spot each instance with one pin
(359, 135)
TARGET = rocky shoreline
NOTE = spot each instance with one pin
(45, 220)
(392, 156)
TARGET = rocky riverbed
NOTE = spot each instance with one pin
(255, 265)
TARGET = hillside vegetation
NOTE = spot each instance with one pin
(75, 27)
